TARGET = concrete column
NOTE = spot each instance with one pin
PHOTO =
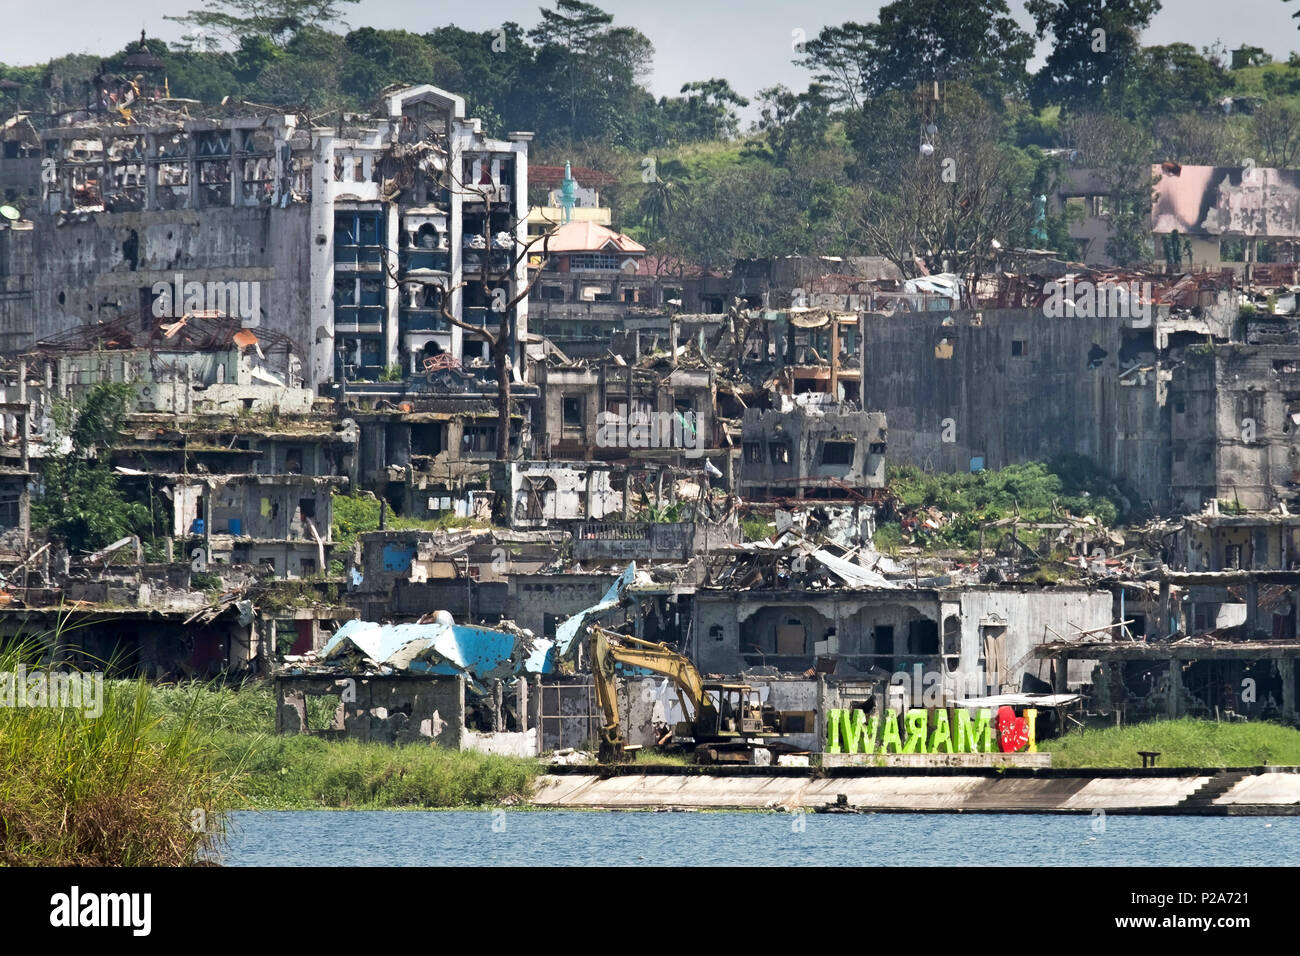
(1286, 668)
(535, 707)
(1163, 629)
(521, 702)
(498, 701)
(1175, 687)
(208, 491)
(1062, 682)
(1252, 607)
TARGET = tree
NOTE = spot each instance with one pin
(838, 57)
(80, 500)
(705, 111)
(379, 58)
(1176, 78)
(1277, 133)
(660, 198)
(305, 74)
(945, 209)
(1119, 151)
(1200, 139)
(493, 285)
(976, 42)
(570, 42)
(792, 121)
(277, 20)
(493, 70)
(1092, 41)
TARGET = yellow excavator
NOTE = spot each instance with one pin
(729, 724)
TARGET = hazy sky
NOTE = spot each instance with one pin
(746, 41)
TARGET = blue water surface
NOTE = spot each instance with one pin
(577, 838)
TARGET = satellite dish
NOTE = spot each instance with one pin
(10, 213)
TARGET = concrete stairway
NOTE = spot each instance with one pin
(1218, 784)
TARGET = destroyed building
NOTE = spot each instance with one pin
(342, 240)
(1082, 364)
(218, 428)
(808, 447)
(797, 610)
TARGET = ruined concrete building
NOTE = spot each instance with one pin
(810, 447)
(221, 434)
(343, 240)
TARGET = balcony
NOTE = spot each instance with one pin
(362, 258)
(358, 319)
(478, 315)
(425, 260)
(423, 320)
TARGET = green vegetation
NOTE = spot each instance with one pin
(756, 528)
(81, 501)
(299, 772)
(1036, 491)
(148, 782)
(1181, 743)
(650, 757)
(354, 514)
(284, 773)
(113, 789)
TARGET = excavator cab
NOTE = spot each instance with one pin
(739, 713)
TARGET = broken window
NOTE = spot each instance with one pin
(876, 448)
(839, 452)
(173, 183)
(923, 638)
(780, 452)
(1018, 347)
(754, 452)
(9, 513)
(307, 566)
(952, 639)
(214, 182)
(307, 508)
(716, 632)
(573, 408)
(479, 438)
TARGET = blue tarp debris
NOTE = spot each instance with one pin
(569, 630)
(477, 653)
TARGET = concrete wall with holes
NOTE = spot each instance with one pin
(99, 267)
(1012, 387)
(392, 709)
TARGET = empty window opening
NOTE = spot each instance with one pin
(838, 452)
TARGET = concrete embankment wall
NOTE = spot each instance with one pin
(1265, 790)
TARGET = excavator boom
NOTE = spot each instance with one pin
(740, 719)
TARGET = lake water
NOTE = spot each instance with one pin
(563, 837)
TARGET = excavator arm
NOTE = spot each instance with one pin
(609, 648)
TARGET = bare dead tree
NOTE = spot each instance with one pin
(945, 210)
(1277, 132)
(488, 281)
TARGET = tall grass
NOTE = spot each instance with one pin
(107, 790)
(301, 772)
(1181, 743)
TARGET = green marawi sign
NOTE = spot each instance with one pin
(852, 731)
